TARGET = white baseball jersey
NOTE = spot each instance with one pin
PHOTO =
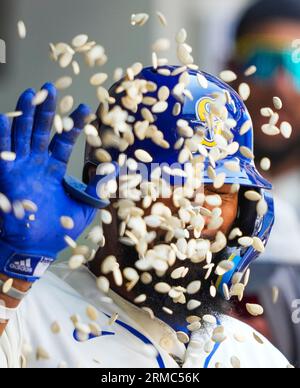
(134, 340)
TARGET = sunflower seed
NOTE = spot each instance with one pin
(8, 156)
(213, 200)
(130, 274)
(7, 286)
(67, 222)
(235, 362)
(254, 309)
(246, 152)
(250, 71)
(146, 278)
(29, 206)
(202, 81)
(139, 19)
(117, 274)
(194, 287)
(258, 339)
(239, 337)
(265, 164)
(160, 107)
(270, 130)
(213, 291)
(258, 245)
(68, 124)
(210, 319)
(161, 44)
(194, 326)
(226, 292)
(63, 83)
(105, 217)
(42, 354)
(118, 74)
(176, 109)
(167, 310)
(92, 313)
(228, 76)
(162, 288)
(246, 127)
(244, 91)
(183, 337)
(232, 166)
(76, 262)
(262, 208)
(277, 103)
(219, 181)
(247, 277)
(80, 40)
(21, 29)
(13, 115)
(163, 93)
(286, 129)
(177, 273)
(109, 265)
(76, 67)
(103, 284)
(58, 124)
(193, 304)
(209, 346)
(224, 267)
(18, 210)
(181, 36)
(66, 104)
(236, 232)
(70, 242)
(40, 97)
(162, 18)
(143, 156)
(98, 79)
(253, 196)
(65, 60)
(245, 242)
(266, 112)
(275, 294)
(55, 328)
(154, 60)
(218, 336)
(140, 299)
(103, 156)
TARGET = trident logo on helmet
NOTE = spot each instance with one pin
(213, 125)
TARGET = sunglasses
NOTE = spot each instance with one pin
(268, 63)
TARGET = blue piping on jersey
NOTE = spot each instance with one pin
(144, 339)
(213, 352)
(92, 336)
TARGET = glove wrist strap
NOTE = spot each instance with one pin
(26, 266)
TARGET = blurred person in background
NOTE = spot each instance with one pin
(267, 37)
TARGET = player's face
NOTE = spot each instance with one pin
(229, 209)
(280, 83)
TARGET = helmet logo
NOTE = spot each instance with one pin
(213, 124)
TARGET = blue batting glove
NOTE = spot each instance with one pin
(29, 244)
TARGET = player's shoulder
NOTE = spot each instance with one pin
(249, 348)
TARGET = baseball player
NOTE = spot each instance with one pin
(167, 315)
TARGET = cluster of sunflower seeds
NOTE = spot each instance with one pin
(64, 54)
(273, 128)
(140, 212)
